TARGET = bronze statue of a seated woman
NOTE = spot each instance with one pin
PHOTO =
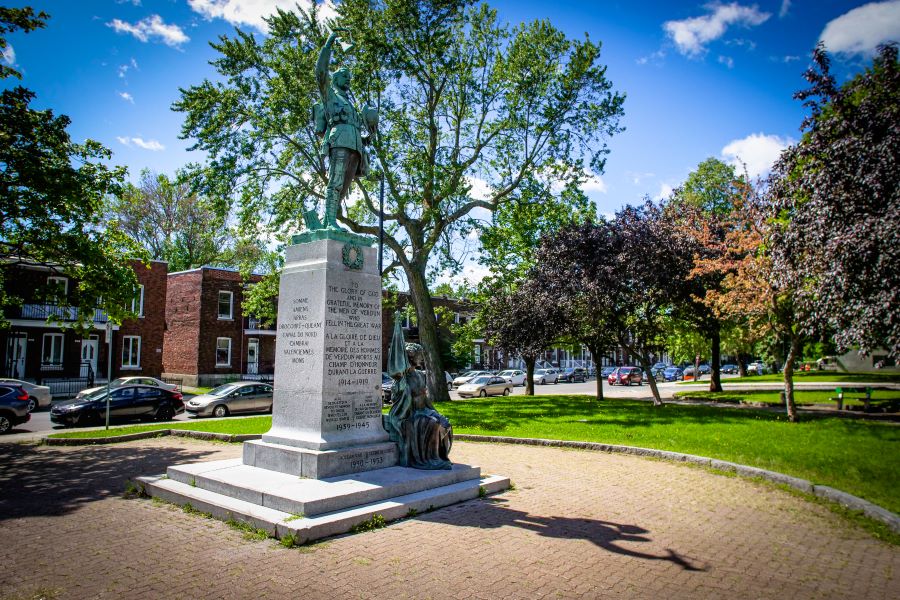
(423, 434)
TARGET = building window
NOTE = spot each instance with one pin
(52, 355)
(59, 287)
(137, 303)
(223, 352)
(225, 304)
(131, 352)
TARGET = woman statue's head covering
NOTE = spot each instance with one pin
(398, 362)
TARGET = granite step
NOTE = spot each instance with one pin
(306, 529)
(310, 497)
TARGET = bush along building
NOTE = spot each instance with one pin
(208, 341)
(51, 352)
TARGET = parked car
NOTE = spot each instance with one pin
(39, 396)
(756, 368)
(13, 407)
(688, 372)
(729, 369)
(659, 368)
(387, 386)
(673, 374)
(573, 374)
(237, 397)
(466, 377)
(544, 376)
(626, 376)
(126, 403)
(485, 385)
(132, 380)
(514, 376)
(705, 369)
(606, 371)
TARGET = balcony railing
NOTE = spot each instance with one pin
(44, 311)
(257, 325)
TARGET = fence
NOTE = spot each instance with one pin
(178, 382)
(67, 387)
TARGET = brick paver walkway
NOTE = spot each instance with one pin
(579, 524)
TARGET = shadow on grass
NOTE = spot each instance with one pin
(44, 481)
(611, 537)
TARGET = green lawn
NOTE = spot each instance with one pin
(802, 397)
(813, 376)
(235, 426)
(859, 457)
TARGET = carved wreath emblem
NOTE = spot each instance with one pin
(353, 256)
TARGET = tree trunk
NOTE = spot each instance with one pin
(594, 350)
(789, 378)
(428, 335)
(715, 378)
(646, 365)
(529, 374)
(742, 364)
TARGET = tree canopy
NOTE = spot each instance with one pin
(465, 102)
(52, 194)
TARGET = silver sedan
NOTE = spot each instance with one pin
(241, 396)
(38, 395)
(485, 385)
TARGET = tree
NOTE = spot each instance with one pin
(836, 197)
(609, 268)
(462, 97)
(52, 194)
(703, 207)
(521, 323)
(176, 225)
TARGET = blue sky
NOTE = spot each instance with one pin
(702, 78)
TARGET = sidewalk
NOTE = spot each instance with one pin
(579, 525)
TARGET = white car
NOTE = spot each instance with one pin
(133, 380)
(514, 376)
(544, 376)
(466, 377)
(758, 368)
(485, 385)
(38, 395)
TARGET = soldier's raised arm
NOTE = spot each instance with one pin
(323, 77)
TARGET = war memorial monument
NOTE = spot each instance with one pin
(330, 456)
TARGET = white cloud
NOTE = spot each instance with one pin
(9, 55)
(665, 190)
(757, 151)
(655, 58)
(862, 29)
(123, 69)
(480, 188)
(152, 145)
(152, 27)
(126, 96)
(251, 12)
(637, 177)
(727, 61)
(593, 183)
(691, 35)
(785, 8)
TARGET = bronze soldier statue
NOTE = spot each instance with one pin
(345, 133)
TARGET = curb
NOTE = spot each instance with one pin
(873, 511)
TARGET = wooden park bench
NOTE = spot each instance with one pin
(861, 393)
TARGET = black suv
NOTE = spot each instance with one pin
(13, 407)
(573, 374)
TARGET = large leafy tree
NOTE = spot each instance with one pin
(52, 194)
(464, 99)
(175, 224)
(610, 270)
(836, 197)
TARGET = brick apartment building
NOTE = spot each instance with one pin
(36, 350)
(208, 340)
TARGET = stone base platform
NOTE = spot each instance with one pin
(319, 464)
(229, 489)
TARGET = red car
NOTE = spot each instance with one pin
(626, 376)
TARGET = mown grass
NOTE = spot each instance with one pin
(859, 457)
(814, 376)
(880, 398)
